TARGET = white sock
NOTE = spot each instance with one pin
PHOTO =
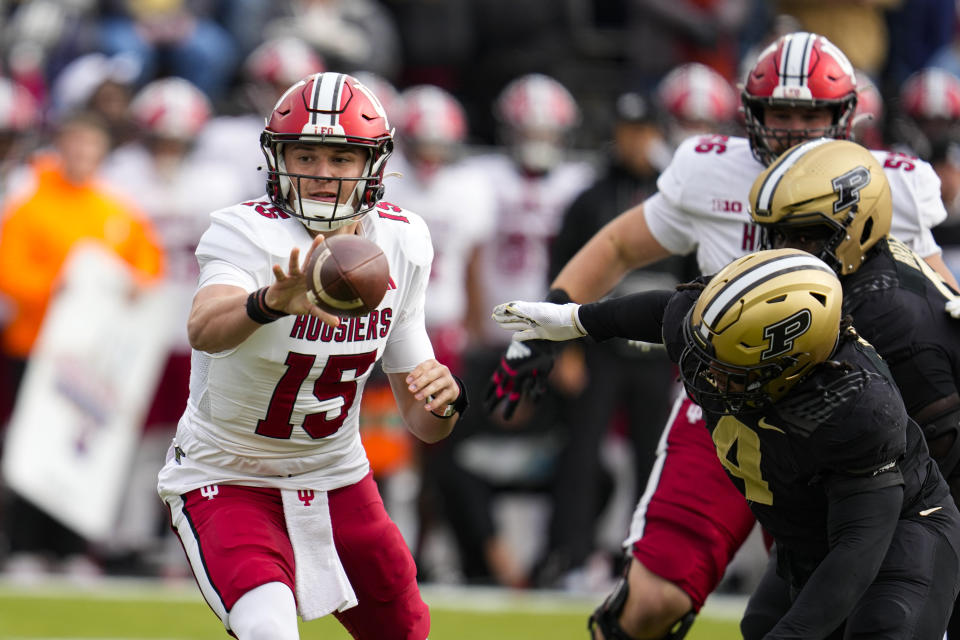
(267, 612)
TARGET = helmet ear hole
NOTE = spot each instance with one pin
(867, 230)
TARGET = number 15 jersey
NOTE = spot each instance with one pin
(282, 408)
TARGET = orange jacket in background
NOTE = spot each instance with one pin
(38, 232)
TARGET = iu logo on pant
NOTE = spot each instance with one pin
(306, 496)
(209, 491)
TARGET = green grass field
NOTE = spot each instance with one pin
(131, 610)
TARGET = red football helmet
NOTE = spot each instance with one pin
(327, 108)
(867, 123)
(282, 61)
(382, 88)
(696, 96)
(931, 94)
(431, 115)
(802, 70)
(536, 112)
(19, 111)
(171, 108)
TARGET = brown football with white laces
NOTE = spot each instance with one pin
(347, 275)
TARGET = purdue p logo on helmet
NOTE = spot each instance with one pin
(832, 193)
(760, 325)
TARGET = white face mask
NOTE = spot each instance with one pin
(538, 155)
(321, 216)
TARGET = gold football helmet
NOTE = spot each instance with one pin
(828, 197)
(760, 325)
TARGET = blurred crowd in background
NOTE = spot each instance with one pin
(521, 129)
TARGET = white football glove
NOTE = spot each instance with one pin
(540, 320)
(953, 307)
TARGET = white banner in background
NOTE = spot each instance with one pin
(85, 392)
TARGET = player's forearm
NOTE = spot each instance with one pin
(638, 316)
(935, 260)
(218, 319)
(424, 393)
(625, 243)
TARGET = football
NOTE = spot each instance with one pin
(347, 275)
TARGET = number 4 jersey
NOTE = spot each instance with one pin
(282, 408)
(703, 196)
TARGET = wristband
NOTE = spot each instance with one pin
(259, 311)
(458, 406)
(558, 296)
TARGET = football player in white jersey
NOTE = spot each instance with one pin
(689, 524)
(268, 485)
(457, 202)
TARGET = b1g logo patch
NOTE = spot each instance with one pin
(783, 334)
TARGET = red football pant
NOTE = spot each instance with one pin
(691, 519)
(238, 540)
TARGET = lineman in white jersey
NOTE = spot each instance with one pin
(267, 482)
(456, 201)
(688, 526)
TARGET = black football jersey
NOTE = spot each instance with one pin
(845, 420)
(897, 303)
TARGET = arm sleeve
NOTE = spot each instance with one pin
(863, 515)
(638, 316)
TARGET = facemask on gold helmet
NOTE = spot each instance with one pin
(760, 325)
(828, 197)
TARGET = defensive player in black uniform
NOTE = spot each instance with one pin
(831, 198)
(810, 426)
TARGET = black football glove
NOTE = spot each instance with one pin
(522, 371)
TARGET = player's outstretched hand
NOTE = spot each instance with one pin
(540, 320)
(289, 292)
(522, 371)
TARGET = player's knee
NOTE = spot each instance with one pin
(267, 612)
(654, 605)
(643, 605)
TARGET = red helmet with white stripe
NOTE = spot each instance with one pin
(800, 70)
(19, 111)
(431, 115)
(867, 123)
(536, 112)
(695, 93)
(327, 109)
(282, 61)
(931, 94)
(171, 108)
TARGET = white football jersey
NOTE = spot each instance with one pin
(282, 408)
(702, 202)
(529, 211)
(458, 205)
